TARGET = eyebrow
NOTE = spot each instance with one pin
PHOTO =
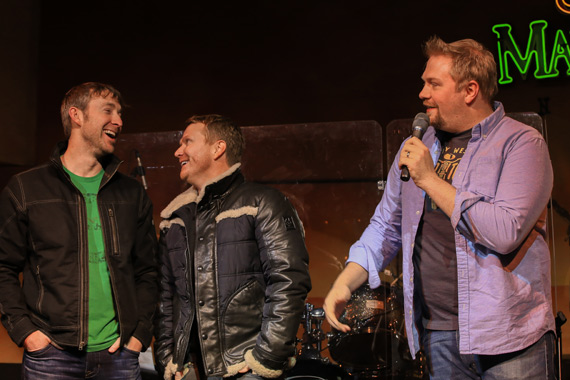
(427, 79)
(184, 137)
(113, 105)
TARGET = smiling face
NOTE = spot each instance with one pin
(101, 124)
(196, 156)
(445, 104)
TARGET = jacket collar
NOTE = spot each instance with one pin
(109, 162)
(216, 187)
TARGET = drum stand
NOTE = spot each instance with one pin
(313, 335)
(310, 363)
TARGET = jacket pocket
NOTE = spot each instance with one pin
(242, 320)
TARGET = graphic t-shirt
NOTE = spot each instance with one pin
(435, 261)
(103, 324)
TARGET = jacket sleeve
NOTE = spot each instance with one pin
(145, 270)
(164, 324)
(499, 213)
(280, 238)
(13, 251)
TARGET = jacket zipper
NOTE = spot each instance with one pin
(218, 206)
(115, 250)
(114, 231)
(195, 290)
(84, 273)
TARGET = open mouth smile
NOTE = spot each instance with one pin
(112, 134)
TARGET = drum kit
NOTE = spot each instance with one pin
(376, 347)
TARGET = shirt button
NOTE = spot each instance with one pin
(204, 336)
(200, 268)
(201, 238)
(201, 303)
(418, 212)
(210, 371)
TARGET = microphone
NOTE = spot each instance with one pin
(140, 169)
(419, 127)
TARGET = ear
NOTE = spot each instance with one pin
(76, 115)
(219, 149)
(471, 92)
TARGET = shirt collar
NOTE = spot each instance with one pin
(484, 128)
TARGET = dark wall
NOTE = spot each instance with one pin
(264, 62)
(19, 33)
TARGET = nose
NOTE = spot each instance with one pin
(117, 120)
(178, 152)
(424, 93)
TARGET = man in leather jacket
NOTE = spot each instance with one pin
(82, 235)
(234, 267)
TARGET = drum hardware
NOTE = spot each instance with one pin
(310, 363)
(376, 347)
(313, 335)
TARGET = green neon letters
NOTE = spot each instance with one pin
(508, 51)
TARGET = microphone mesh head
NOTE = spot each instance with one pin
(420, 125)
(421, 120)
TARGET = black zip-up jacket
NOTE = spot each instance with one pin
(234, 263)
(43, 235)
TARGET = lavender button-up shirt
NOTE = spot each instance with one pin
(503, 185)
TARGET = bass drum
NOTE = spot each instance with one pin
(315, 370)
(376, 346)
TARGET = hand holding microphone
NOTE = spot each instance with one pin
(419, 127)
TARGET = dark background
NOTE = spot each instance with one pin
(279, 62)
(267, 62)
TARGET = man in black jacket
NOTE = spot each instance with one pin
(234, 267)
(82, 235)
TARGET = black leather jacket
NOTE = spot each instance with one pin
(43, 234)
(250, 278)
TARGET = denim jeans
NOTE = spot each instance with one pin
(445, 362)
(51, 363)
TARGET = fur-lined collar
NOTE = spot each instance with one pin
(191, 195)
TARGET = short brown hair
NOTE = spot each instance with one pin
(470, 61)
(80, 95)
(222, 128)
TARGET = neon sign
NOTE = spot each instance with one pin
(509, 52)
(563, 6)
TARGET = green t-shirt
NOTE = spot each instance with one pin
(103, 324)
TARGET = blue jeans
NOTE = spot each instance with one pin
(54, 364)
(445, 362)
